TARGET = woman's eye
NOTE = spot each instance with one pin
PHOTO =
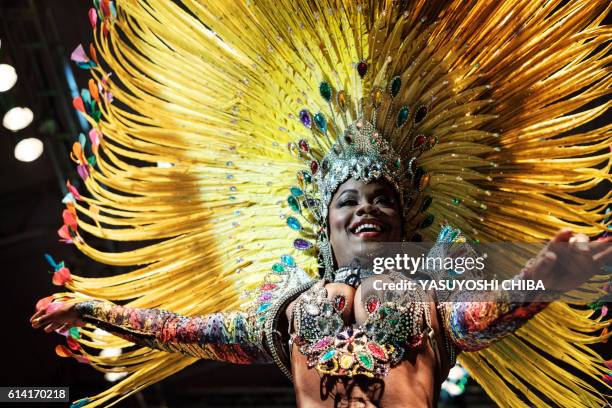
(348, 201)
(384, 200)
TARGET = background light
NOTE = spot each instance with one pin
(112, 352)
(8, 77)
(112, 377)
(28, 150)
(17, 118)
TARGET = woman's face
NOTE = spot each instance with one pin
(360, 216)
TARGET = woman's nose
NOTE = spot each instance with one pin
(366, 208)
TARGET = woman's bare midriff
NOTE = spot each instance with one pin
(410, 384)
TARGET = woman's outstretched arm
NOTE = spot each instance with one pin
(227, 336)
(473, 325)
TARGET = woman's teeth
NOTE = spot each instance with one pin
(367, 228)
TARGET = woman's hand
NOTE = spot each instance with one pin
(56, 316)
(569, 260)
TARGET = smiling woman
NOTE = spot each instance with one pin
(423, 120)
(360, 213)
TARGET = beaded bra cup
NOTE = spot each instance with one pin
(396, 323)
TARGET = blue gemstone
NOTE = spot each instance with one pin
(293, 203)
(288, 260)
(296, 191)
(320, 122)
(443, 233)
(326, 91)
(327, 356)
(293, 223)
(263, 307)
(396, 84)
(402, 116)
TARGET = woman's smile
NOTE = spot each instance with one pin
(368, 228)
(361, 215)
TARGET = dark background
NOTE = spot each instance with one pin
(37, 39)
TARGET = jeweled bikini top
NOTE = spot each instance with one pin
(396, 323)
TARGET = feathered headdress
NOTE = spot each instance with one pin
(199, 109)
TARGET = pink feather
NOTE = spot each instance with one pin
(93, 18)
(78, 55)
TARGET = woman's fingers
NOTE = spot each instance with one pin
(563, 235)
(604, 255)
(601, 244)
(36, 315)
(541, 267)
(64, 327)
(40, 321)
(45, 319)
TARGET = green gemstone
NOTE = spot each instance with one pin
(426, 203)
(429, 219)
(307, 177)
(278, 268)
(402, 116)
(396, 84)
(327, 356)
(325, 90)
(366, 360)
(320, 122)
(456, 201)
(398, 163)
(296, 191)
(293, 203)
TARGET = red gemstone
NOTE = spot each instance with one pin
(268, 286)
(362, 68)
(419, 141)
(304, 146)
(377, 351)
(340, 303)
(372, 304)
(417, 341)
(314, 166)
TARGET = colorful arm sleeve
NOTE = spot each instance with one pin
(473, 326)
(219, 336)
